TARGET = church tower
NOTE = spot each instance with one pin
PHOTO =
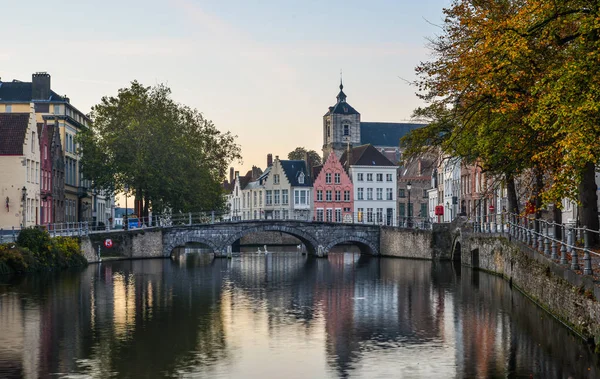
(341, 127)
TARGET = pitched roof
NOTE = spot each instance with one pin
(292, 170)
(342, 107)
(13, 127)
(385, 133)
(365, 155)
(17, 91)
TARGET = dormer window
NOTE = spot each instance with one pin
(301, 178)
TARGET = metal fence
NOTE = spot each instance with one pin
(67, 229)
(566, 244)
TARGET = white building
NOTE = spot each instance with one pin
(451, 176)
(288, 190)
(375, 185)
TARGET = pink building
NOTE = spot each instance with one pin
(46, 210)
(333, 195)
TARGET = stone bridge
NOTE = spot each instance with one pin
(318, 237)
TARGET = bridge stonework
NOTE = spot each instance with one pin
(318, 238)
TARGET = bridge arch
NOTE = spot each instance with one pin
(188, 238)
(307, 239)
(366, 246)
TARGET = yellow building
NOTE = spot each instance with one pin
(17, 97)
(19, 169)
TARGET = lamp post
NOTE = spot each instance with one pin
(125, 220)
(24, 199)
(408, 211)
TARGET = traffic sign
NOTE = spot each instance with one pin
(108, 243)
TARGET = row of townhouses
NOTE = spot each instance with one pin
(39, 161)
(361, 180)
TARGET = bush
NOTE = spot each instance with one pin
(12, 257)
(35, 239)
(66, 252)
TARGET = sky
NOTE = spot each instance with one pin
(265, 70)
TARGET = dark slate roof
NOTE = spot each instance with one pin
(365, 155)
(244, 180)
(342, 107)
(316, 170)
(17, 91)
(292, 170)
(13, 127)
(385, 133)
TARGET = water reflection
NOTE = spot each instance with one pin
(280, 314)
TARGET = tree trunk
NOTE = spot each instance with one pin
(511, 191)
(588, 211)
(557, 220)
(539, 186)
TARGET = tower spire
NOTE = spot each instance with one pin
(341, 97)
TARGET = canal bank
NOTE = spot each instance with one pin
(570, 297)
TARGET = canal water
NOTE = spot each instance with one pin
(281, 315)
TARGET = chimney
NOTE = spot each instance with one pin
(40, 86)
(230, 174)
(269, 160)
(277, 157)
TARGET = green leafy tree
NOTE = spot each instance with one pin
(299, 153)
(168, 154)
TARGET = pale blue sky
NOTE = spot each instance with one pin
(265, 70)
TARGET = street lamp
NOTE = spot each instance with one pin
(24, 199)
(408, 187)
(126, 222)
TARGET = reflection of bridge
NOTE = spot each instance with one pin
(318, 237)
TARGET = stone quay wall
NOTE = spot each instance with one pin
(417, 244)
(570, 297)
(137, 243)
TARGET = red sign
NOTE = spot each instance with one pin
(492, 208)
(439, 210)
(108, 243)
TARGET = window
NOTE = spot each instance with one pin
(402, 209)
(410, 209)
(27, 164)
(328, 178)
(284, 199)
(8, 108)
(32, 142)
(337, 178)
(276, 179)
(254, 198)
(300, 197)
(255, 215)
(276, 197)
(359, 214)
(359, 177)
(346, 130)
(37, 173)
(338, 215)
(319, 195)
(338, 195)
(296, 197)
(269, 194)
(380, 215)
(380, 177)
(423, 212)
(369, 193)
(328, 195)
(328, 130)
(346, 195)
(320, 215)
(276, 215)
(369, 177)
(401, 193)
(369, 214)
(285, 214)
(388, 177)
(329, 215)
(389, 194)
(243, 200)
(301, 178)
(425, 193)
(379, 193)
(361, 194)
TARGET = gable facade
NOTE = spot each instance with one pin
(333, 193)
